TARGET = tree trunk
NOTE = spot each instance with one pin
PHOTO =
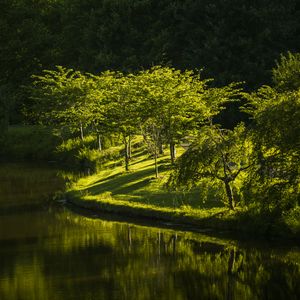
(172, 152)
(99, 142)
(155, 164)
(229, 194)
(129, 147)
(160, 146)
(81, 131)
(126, 155)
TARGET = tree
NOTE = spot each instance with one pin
(123, 110)
(99, 98)
(169, 99)
(286, 74)
(61, 98)
(217, 154)
(152, 136)
(276, 137)
(29, 34)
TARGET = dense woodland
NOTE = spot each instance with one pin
(230, 40)
(145, 67)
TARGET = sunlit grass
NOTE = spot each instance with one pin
(139, 194)
(138, 190)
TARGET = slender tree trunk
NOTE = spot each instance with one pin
(99, 142)
(160, 146)
(126, 154)
(172, 152)
(155, 163)
(81, 131)
(129, 147)
(229, 194)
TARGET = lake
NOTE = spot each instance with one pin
(48, 251)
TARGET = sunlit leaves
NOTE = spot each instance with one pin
(286, 75)
(276, 137)
(216, 154)
(176, 103)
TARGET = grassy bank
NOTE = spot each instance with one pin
(139, 194)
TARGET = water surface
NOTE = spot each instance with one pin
(49, 252)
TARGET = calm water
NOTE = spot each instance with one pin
(49, 252)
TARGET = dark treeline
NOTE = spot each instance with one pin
(231, 40)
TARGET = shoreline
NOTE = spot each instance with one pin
(229, 224)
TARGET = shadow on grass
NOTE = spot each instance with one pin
(120, 184)
(174, 199)
(111, 177)
(133, 187)
(140, 186)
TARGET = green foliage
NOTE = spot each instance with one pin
(29, 33)
(286, 74)
(139, 190)
(60, 97)
(176, 103)
(82, 155)
(292, 219)
(4, 108)
(257, 167)
(132, 35)
(29, 143)
(216, 154)
(172, 102)
(274, 182)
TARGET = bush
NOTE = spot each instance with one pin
(45, 144)
(94, 160)
(80, 155)
(292, 219)
(29, 143)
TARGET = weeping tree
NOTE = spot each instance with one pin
(216, 154)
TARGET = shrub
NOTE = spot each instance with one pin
(29, 143)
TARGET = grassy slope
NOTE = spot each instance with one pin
(138, 193)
